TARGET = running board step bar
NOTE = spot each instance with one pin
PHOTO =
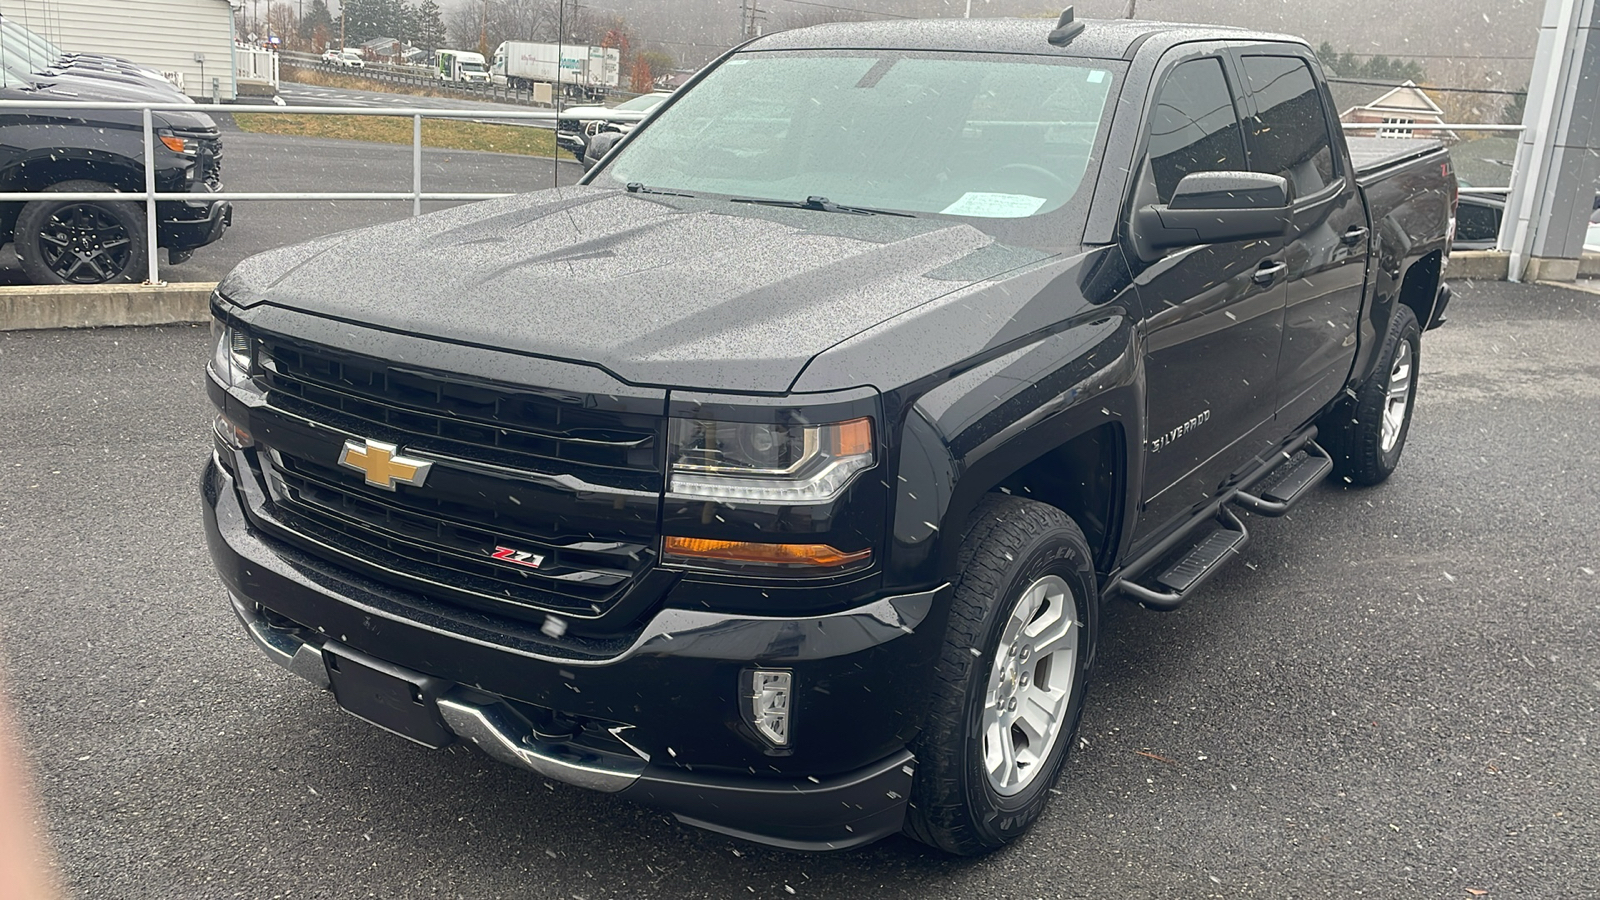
(1189, 556)
(1208, 550)
(1288, 483)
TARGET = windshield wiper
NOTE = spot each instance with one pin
(635, 187)
(823, 204)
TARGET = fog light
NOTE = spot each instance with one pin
(767, 704)
(231, 434)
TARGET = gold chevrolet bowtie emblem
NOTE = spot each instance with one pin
(383, 465)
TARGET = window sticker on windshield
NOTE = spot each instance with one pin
(1096, 76)
(994, 206)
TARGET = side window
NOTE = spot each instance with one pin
(1194, 127)
(1289, 134)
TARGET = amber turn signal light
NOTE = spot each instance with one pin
(852, 438)
(817, 555)
(175, 144)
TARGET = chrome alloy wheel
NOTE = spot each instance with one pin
(1030, 685)
(1398, 403)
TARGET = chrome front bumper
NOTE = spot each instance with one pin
(491, 726)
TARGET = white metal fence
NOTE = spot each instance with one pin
(151, 196)
(256, 64)
(416, 195)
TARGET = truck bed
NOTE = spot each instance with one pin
(1371, 156)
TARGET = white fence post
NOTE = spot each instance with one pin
(416, 165)
(151, 239)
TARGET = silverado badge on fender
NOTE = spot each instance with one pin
(383, 465)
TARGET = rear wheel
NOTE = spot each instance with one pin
(1365, 436)
(1011, 678)
(81, 242)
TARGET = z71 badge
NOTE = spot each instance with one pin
(518, 557)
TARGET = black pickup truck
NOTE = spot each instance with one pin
(777, 474)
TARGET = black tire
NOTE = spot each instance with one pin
(1010, 545)
(1354, 434)
(81, 242)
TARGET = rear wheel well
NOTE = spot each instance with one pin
(1084, 479)
(1420, 289)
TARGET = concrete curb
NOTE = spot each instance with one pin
(1477, 265)
(96, 306)
(1492, 265)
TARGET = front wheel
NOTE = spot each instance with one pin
(1011, 678)
(81, 241)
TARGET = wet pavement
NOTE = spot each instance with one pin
(1393, 693)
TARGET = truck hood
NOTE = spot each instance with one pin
(656, 290)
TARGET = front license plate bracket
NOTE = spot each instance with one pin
(391, 697)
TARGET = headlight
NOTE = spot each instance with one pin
(788, 463)
(230, 353)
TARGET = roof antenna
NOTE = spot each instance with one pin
(1065, 30)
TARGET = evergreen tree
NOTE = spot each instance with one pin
(429, 33)
(316, 17)
(1373, 68)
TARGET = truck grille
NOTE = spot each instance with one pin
(549, 475)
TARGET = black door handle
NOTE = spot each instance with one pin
(1354, 234)
(1268, 272)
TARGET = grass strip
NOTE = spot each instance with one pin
(445, 134)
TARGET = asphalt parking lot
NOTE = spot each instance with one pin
(1394, 695)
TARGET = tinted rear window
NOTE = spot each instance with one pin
(1289, 134)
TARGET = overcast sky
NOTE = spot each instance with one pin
(1470, 42)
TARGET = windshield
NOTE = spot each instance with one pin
(979, 135)
(469, 66)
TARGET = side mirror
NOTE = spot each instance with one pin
(1215, 208)
(598, 147)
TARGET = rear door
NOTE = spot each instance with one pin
(1212, 313)
(1290, 133)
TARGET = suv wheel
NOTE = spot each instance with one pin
(81, 242)
(1011, 678)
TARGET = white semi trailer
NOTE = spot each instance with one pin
(586, 73)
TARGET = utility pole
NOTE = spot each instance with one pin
(561, 30)
(342, 17)
(752, 20)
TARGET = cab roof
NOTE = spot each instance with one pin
(1101, 38)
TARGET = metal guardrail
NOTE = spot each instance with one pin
(427, 77)
(151, 196)
(1393, 129)
(416, 195)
